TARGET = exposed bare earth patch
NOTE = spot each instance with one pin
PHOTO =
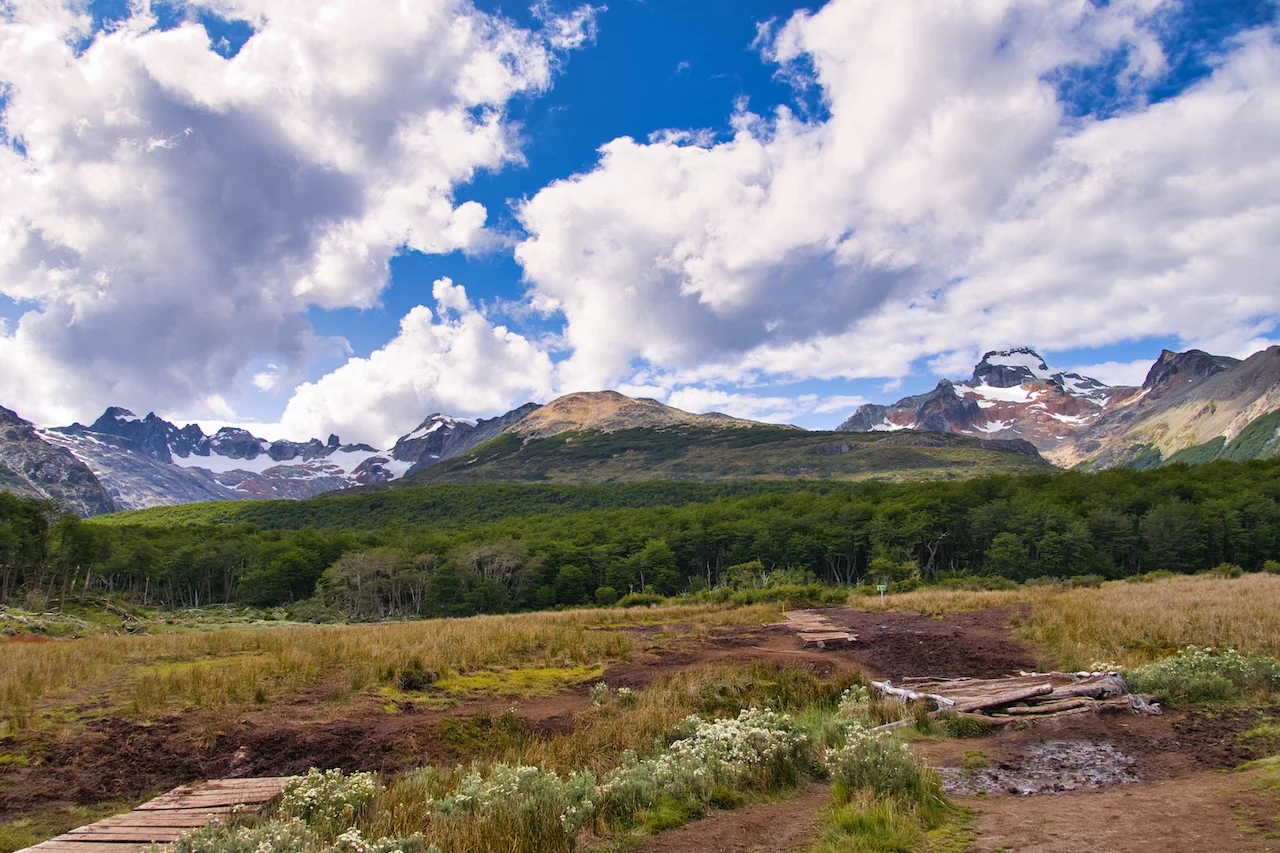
(768, 828)
(1201, 813)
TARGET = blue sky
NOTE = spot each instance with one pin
(941, 211)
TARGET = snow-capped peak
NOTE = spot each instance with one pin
(116, 413)
(1020, 357)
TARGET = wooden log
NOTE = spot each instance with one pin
(1074, 712)
(1008, 697)
(1049, 707)
(911, 695)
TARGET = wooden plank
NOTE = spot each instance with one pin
(204, 803)
(56, 846)
(166, 817)
(115, 834)
(196, 817)
(995, 700)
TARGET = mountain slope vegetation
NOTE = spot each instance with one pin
(712, 454)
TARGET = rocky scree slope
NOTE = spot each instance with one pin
(32, 467)
(1193, 407)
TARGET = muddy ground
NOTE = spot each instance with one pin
(1169, 762)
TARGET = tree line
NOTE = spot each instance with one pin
(534, 547)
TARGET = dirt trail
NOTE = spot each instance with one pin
(1205, 812)
(767, 828)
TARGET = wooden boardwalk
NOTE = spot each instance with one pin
(817, 630)
(166, 817)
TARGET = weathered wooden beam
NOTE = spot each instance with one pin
(1008, 697)
(1050, 707)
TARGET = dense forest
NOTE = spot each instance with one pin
(490, 548)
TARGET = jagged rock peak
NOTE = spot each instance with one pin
(1190, 366)
(1011, 367)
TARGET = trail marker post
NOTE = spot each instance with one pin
(880, 588)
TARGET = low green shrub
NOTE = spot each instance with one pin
(414, 676)
(1151, 577)
(483, 734)
(667, 812)
(976, 583)
(1271, 567)
(1227, 570)
(1086, 581)
(1206, 674)
(640, 599)
(966, 726)
(883, 764)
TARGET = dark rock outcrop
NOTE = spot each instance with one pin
(33, 467)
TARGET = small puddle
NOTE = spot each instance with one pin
(1052, 767)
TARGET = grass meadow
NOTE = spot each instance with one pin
(1129, 623)
(521, 789)
(150, 674)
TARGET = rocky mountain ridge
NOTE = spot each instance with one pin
(1192, 406)
(1012, 394)
(140, 462)
(33, 468)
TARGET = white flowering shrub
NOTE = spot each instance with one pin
(530, 794)
(599, 693)
(855, 703)
(880, 762)
(276, 836)
(352, 841)
(288, 836)
(1199, 674)
(758, 749)
(328, 798)
(626, 697)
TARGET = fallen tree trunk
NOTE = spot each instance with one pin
(995, 700)
(1050, 707)
(911, 695)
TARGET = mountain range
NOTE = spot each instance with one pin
(1011, 415)
(1191, 407)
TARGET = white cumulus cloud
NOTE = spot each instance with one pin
(169, 214)
(947, 201)
(452, 360)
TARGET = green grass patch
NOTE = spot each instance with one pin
(29, 830)
(526, 681)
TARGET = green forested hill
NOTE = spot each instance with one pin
(444, 506)
(690, 453)
(496, 547)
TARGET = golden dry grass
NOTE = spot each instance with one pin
(1123, 622)
(242, 665)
